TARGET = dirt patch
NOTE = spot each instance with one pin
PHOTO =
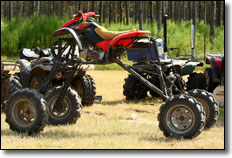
(141, 111)
(94, 113)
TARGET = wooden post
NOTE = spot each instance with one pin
(192, 39)
(204, 49)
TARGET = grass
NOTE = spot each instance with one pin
(112, 124)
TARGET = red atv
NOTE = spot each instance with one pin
(182, 115)
(215, 73)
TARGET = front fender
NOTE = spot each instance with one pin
(67, 30)
(25, 68)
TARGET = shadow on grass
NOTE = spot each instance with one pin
(145, 101)
(56, 134)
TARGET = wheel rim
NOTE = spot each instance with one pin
(24, 113)
(63, 111)
(180, 119)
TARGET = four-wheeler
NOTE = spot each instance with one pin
(182, 115)
(7, 68)
(215, 73)
(40, 67)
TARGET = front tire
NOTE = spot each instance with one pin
(181, 116)
(26, 111)
(70, 106)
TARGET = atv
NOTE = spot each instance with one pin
(215, 73)
(41, 65)
(181, 115)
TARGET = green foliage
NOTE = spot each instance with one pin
(22, 32)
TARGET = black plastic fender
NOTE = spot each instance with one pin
(215, 69)
(67, 30)
(25, 67)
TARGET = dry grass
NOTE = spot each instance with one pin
(112, 124)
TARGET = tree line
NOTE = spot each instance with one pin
(127, 12)
(121, 11)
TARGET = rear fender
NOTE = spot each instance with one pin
(41, 69)
(67, 30)
(214, 67)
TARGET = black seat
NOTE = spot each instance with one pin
(35, 53)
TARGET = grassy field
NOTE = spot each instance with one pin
(112, 124)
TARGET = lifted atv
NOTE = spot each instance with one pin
(180, 115)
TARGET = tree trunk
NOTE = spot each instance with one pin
(80, 5)
(183, 11)
(170, 9)
(218, 3)
(189, 5)
(144, 12)
(38, 7)
(159, 14)
(151, 13)
(105, 12)
(127, 13)
(199, 11)
(209, 12)
(194, 14)
(101, 11)
(110, 2)
(120, 11)
(173, 10)
(10, 10)
(212, 22)
(140, 14)
(135, 12)
(224, 13)
(179, 13)
(92, 7)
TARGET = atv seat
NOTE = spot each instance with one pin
(30, 54)
(107, 35)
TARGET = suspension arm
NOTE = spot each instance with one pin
(141, 79)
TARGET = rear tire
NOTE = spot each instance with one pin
(209, 104)
(71, 106)
(196, 81)
(133, 89)
(181, 116)
(86, 88)
(210, 85)
(26, 111)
